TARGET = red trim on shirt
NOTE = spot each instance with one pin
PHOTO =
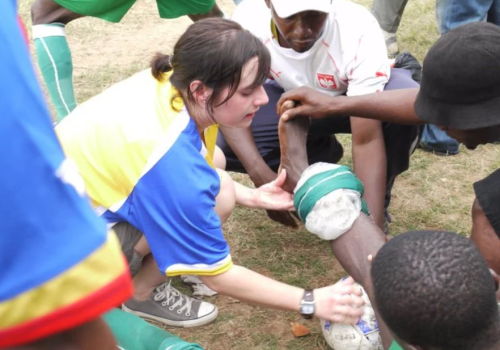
(71, 316)
(344, 81)
(277, 74)
(355, 59)
(23, 29)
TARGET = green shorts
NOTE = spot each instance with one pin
(114, 10)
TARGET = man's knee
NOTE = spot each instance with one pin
(48, 11)
(226, 199)
(484, 237)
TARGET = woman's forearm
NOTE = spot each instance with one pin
(245, 196)
(256, 289)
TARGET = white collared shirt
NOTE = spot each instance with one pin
(349, 58)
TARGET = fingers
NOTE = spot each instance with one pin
(284, 100)
(293, 113)
(349, 299)
(347, 304)
(347, 314)
(348, 281)
(286, 106)
(282, 205)
(347, 289)
(295, 95)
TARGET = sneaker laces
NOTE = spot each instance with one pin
(169, 296)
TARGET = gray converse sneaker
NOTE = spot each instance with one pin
(172, 308)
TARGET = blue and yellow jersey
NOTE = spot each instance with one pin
(59, 266)
(144, 162)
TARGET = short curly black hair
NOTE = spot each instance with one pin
(434, 289)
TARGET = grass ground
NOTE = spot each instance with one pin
(436, 193)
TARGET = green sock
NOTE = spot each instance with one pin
(133, 333)
(54, 60)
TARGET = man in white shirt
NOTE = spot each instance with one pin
(335, 47)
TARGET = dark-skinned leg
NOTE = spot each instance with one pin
(485, 237)
(89, 336)
(54, 57)
(48, 11)
(486, 219)
(352, 250)
(214, 12)
(293, 141)
(353, 247)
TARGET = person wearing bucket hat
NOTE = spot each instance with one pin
(459, 94)
(335, 47)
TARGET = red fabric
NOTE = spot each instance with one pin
(71, 316)
(23, 29)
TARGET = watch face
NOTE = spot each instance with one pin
(308, 309)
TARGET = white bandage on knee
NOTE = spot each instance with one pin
(335, 212)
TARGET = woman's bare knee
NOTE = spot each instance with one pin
(219, 158)
(226, 199)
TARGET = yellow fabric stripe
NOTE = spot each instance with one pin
(210, 142)
(274, 30)
(99, 269)
(214, 272)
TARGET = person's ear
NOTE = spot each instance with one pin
(200, 92)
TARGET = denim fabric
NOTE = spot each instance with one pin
(453, 13)
(435, 139)
(449, 15)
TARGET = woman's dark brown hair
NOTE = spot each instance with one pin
(213, 51)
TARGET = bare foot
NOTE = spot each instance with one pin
(293, 139)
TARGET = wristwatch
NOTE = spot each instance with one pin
(307, 304)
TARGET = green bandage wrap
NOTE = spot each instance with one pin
(54, 60)
(133, 333)
(319, 185)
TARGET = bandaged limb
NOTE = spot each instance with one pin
(133, 333)
(56, 65)
(328, 199)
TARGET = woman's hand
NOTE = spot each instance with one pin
(272, 196)
(340, 303)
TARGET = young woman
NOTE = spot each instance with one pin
(146, 150)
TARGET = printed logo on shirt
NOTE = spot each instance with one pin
(326, 81)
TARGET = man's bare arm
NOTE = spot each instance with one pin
(396, 106)
(370, 163)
